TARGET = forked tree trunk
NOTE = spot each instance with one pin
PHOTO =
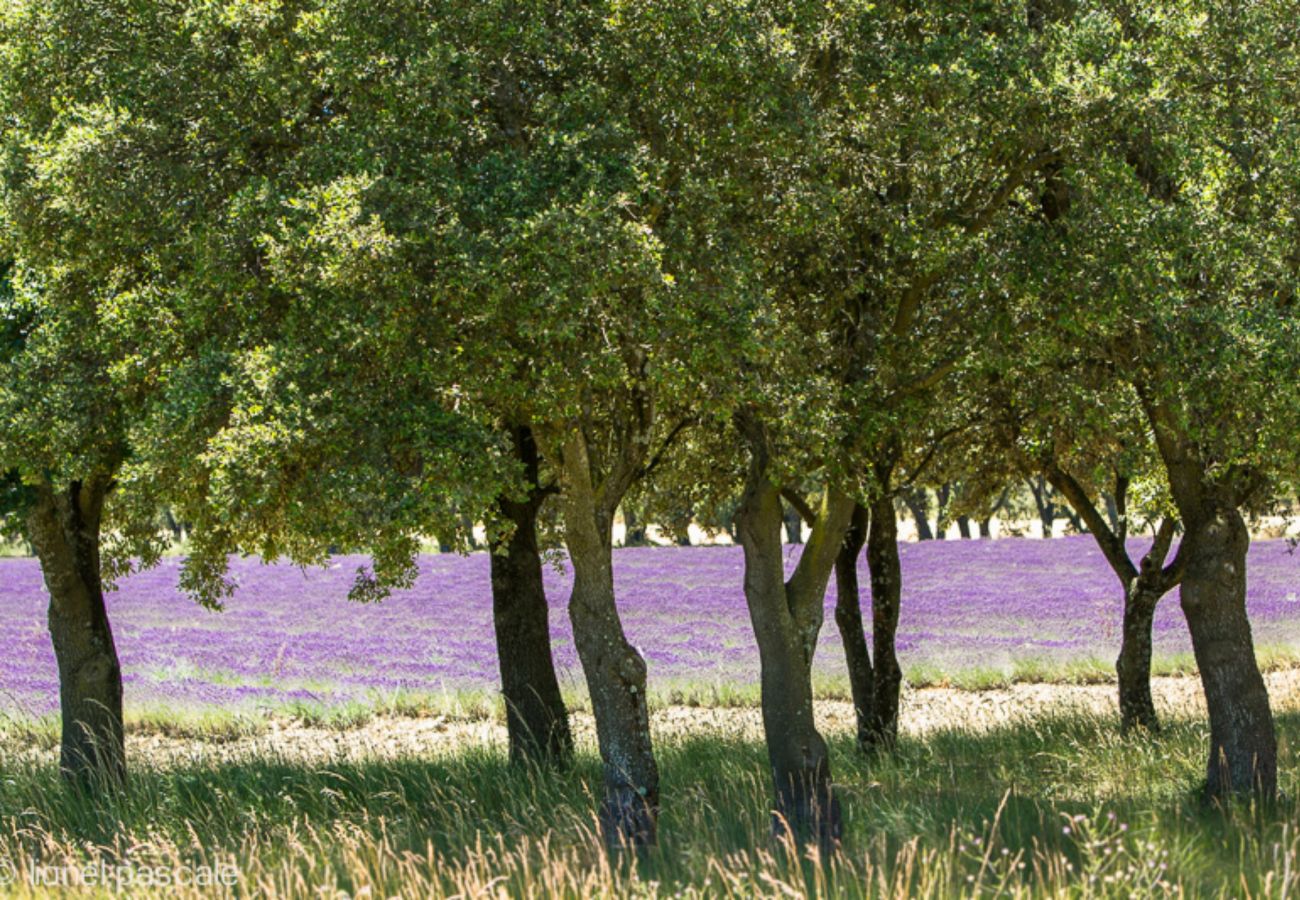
(615, 672)
(848, 616)
(986, 527)
(64, 528)
(886, 591)
(1133, 667)
(785, 626)
(537, 721)
(1243, 744)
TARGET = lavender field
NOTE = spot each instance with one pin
(289, 636)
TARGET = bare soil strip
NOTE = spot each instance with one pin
(924, 711)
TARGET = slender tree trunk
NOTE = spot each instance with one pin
(963, 527)
(1243, 744)
(918, 505)
(1112, 511)
(1136, 708)
(537, 721)
(793, 526)
(848, 616)
(986, 527)
(798, 755)
(941, 497)
(886, 591)
(615, 672)
(634, 533)
(64, 528)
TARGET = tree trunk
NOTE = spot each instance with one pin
(793, 526)
(1041, 492)
(634, 534)
(886, 591)
(615, 672)
(986, 527)
(64, 529)
(941, 497)
(1136, 708)
(536, 719)
(963, 527)
(797, 753)
(848, 616)
(1243, 745)
(1112, 511)
(917, 503)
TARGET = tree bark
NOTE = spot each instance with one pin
(1143, 588)
(786, 617)
(793, 526)
(886, 591)
(941, 496)
(64, 529)
(1243, 744)
(634, 533)
(537, 722)
(615, 672)
(1133, 667)
(986, 527)
(848, 616)
(1041, 492)
(963, 527)
(917, 503)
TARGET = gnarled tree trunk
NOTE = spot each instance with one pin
(886, 592)
(848, 616)
(537, 722)
(64, 528)
(1133, 667)
(615, 672)
(1243, 745)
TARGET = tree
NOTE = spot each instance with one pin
(88, 223)
(1176, 264)
(944, 170)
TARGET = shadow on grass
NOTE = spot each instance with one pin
(1034, 779)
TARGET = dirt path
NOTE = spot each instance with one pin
(923, 711)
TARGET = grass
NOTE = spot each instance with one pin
(1059, 805)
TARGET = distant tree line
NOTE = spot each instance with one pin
(325, 275)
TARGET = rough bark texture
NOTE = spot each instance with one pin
(1243, 745)
(64, 528)
(536, 719)
(848, 616)
(787, 617)
(615, 672)
(1133, 667)
(1143, 588)
(886, 591)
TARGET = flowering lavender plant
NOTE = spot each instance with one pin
(289, 635)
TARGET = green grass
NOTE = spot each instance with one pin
(1051, 806)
